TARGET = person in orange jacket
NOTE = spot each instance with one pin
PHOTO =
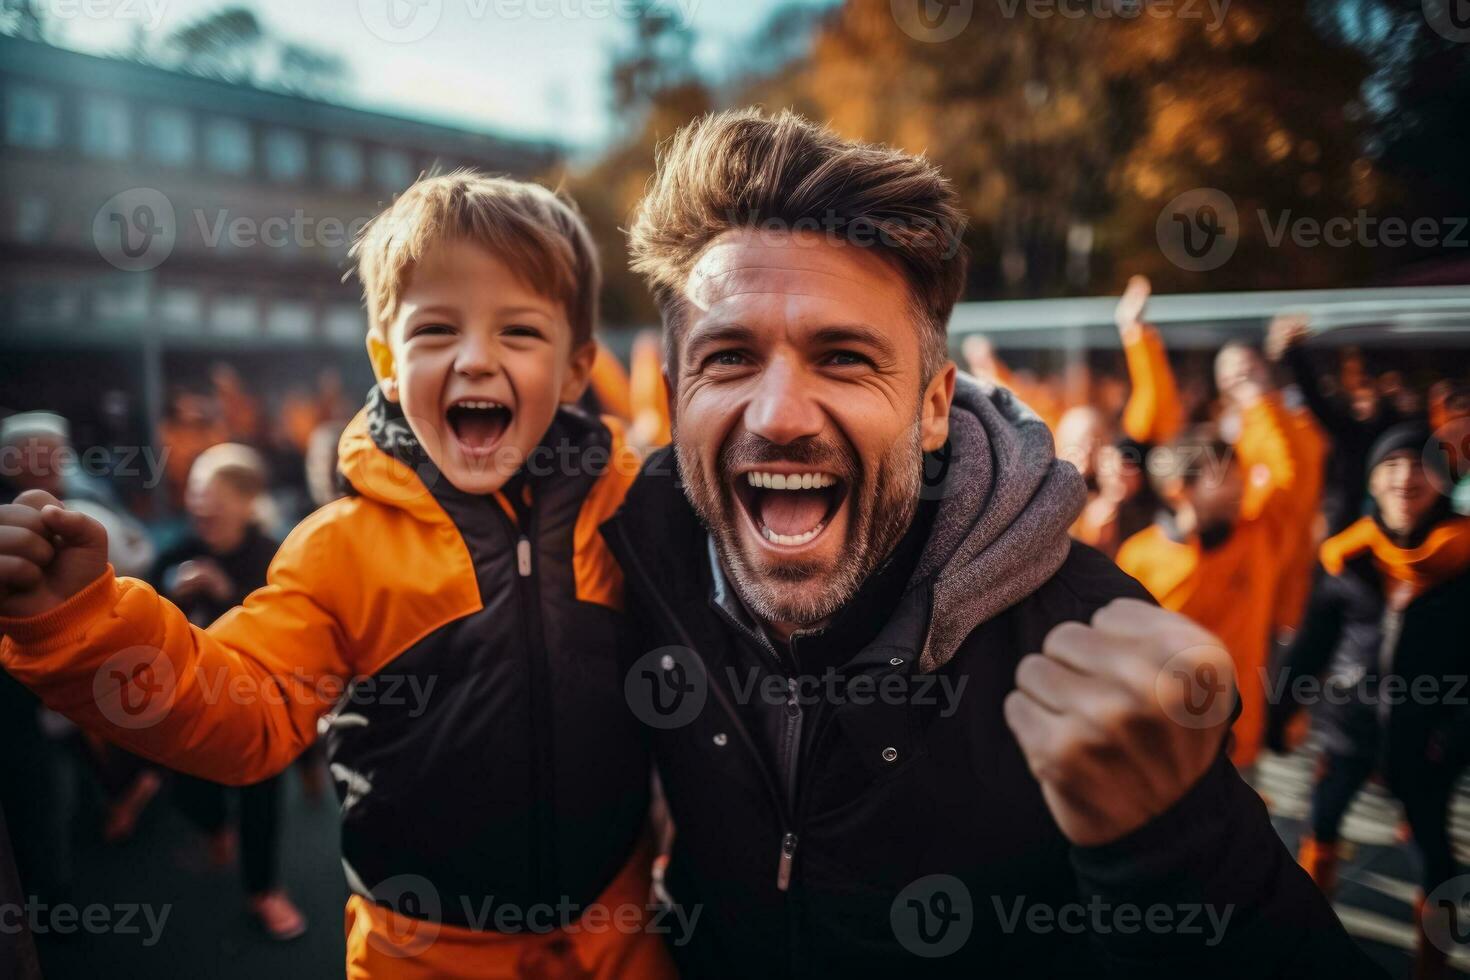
(1308, 526)
(451, 625)
(648, 394)
(1219, 554)
(1120, 502)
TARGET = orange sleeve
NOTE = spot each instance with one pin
(233, 703)
(649, 394)
(1272, 461)
(1154, 413)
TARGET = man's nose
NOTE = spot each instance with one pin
(782, 409)
(477, 356)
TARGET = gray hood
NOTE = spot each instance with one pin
(1006, 507)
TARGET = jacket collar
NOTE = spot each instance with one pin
(381, 459)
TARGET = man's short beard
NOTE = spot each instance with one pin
(881, 503)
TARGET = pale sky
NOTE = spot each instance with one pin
(530, 67)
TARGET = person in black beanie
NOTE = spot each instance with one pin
(1385, 633)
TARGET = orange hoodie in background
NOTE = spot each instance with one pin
(1231, 590)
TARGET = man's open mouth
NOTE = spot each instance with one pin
(790, 510)
(478, 424)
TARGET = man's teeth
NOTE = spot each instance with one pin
(791, 481)
(792, 540)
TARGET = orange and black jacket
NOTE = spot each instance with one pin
(458, 652)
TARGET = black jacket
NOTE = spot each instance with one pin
(1345, 489)
(906, 836)
(1352, 641)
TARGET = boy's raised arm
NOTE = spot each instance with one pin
(234, 703)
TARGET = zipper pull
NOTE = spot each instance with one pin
(788, 856)
(523, 556)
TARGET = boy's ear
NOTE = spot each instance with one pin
(579, 373)
(384, 367)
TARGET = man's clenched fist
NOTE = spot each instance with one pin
(47, 554)
(1118, 719)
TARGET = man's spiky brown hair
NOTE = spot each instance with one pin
(745, 169)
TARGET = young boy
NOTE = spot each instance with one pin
(450, 625)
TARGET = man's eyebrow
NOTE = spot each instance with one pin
(854, 333)
(718, 333)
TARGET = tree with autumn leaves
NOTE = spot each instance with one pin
(1067, 126)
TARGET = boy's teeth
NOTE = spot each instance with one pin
(791, 481)
(478, 404)
(792, 540)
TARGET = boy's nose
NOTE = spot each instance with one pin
(477, 357)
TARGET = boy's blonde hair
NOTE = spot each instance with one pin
(538, 233)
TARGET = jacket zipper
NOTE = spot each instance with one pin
(786, 855)
(539, 710)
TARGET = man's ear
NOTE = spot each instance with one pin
(579, 373)
(384, 367)
(934, 419)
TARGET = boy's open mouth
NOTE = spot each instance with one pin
(790, 510)
(478, 424)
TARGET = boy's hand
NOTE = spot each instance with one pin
(47, 554)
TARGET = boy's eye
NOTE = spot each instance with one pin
(522, 330)
(431, 329)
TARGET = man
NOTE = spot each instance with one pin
(904, 726)
(1386, 618)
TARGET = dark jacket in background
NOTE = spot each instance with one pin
(1351, 639)
(1345, 490)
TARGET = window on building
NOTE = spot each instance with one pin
(233, 315)
(169, 137)
(392, 170)
(285, 155)
(32, 117)
(290, 320)
(227, 146)
(180, 307)
(107, 127)
(344, 323)
(342, 164)
(32, 218)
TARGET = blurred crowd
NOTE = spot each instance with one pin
(1246, 493)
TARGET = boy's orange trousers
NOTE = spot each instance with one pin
(383, 945)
